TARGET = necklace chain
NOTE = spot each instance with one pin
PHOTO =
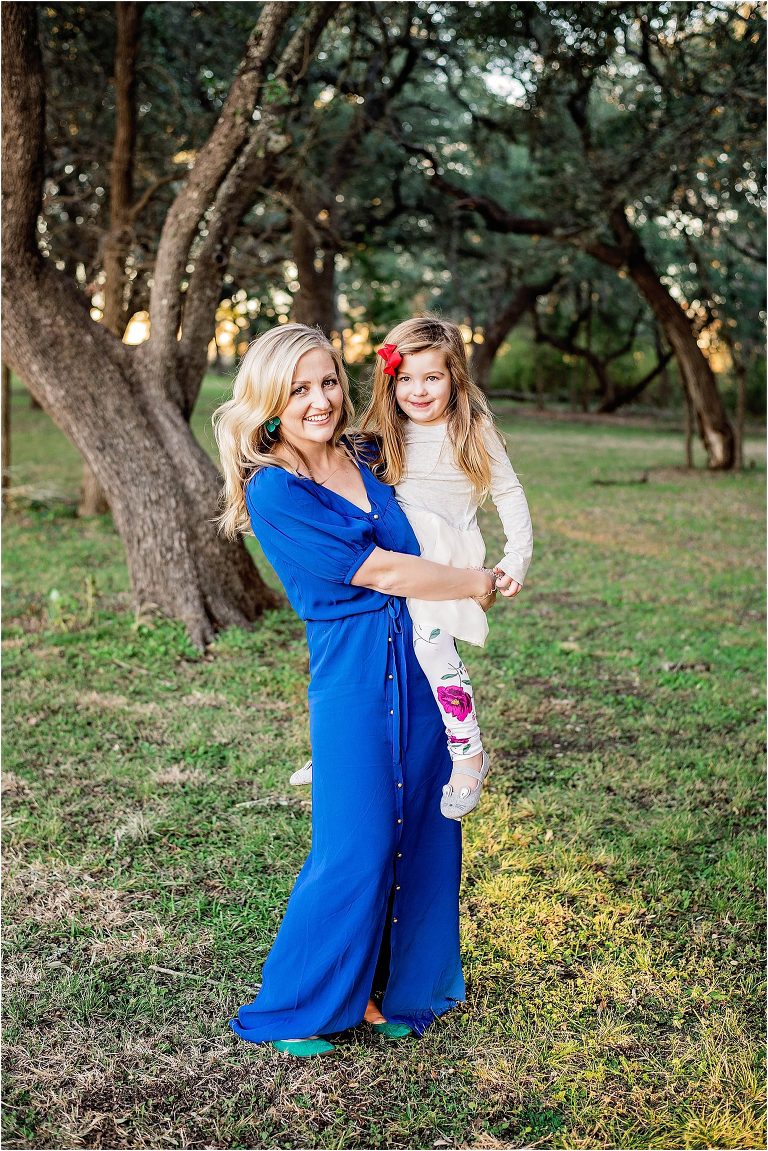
(333, 473)
(330, 474)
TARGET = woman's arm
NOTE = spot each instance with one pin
(395, 573)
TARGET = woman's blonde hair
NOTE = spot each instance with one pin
(261, 391)
(467, 409)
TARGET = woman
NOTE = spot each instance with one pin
(375, 907)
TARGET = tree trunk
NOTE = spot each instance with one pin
(689, 414)
(540, 390)
(160, 484)
(315, 301)
(118, 238)
(695, 372)
(664, 391)
(6, 403)
(93, 499)
(604, 380)
(500, 325)
(741, 408)
(116, 244)
(481, 363)
(697, 377)
(584, 389)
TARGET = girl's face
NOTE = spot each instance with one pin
(423, 386)
(313, 409)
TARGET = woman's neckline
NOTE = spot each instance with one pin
(360, 467)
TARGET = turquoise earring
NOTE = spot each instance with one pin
(272, 425)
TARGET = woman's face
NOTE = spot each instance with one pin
(316, 400)
(423, 386)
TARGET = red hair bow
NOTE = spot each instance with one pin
(391, 357)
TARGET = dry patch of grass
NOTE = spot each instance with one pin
(177, 775)
(56, 894)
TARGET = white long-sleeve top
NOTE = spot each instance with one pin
(441, 505)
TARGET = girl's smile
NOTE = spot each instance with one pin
(423, 386)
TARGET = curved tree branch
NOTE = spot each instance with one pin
(235, 195)
(214, 160)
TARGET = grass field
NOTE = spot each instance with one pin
(612, 911)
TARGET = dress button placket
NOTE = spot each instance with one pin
(394, 686)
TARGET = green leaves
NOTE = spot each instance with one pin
(276, 93)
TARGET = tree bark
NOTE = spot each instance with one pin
(697, 377)
(741, 408)
(6, 403)
(695, 372)
(93, 500)
(539, 388)
(117, 240)
(664, 391)
(130, 425)
(689, 415)
(604, 382)
(315, 301)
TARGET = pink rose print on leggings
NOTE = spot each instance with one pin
(455, 701)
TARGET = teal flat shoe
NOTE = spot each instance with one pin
(391, 1030)
(302, 1048)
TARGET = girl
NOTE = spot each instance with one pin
(442, 454)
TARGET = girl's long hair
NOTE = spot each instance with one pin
(468, 412)
(261, 390)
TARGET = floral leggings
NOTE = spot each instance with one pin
(436, 652)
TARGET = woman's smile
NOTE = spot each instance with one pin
(315, 403)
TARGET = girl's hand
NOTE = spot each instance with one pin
(506, 585)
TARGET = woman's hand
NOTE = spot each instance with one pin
(487, 602)
(488, 598)
(506, 585)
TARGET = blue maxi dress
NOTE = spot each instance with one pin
(376, 902)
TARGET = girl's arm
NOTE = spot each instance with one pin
(512, 507)
(395, 573)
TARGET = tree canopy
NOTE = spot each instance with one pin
(591, 173)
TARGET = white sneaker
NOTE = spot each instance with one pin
(303, 775)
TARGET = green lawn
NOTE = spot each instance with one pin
(612, 905)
